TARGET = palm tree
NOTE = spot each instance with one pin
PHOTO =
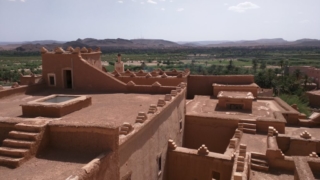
(297, 73)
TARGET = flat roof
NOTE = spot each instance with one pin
(206, 106)
(317, 92)
(295, 132)
(50, 165)
(238, 85)
(107, 110)
(235, 95)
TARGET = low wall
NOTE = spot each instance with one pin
(214, 132)
(93, 140)
(29, 80)
(292, 145)
(149, 81)
(148, 89)
(314, 99)
(21, 90)
(202, 85)
(141, 149)
(185, 163)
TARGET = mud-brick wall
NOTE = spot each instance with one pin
(215, 133)
(186, 165)
(314, 100)
(149, 81)
(85, 76)
(93, 140)
(139, 153)
(202, 85)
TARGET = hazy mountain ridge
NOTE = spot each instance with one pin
(152, 43)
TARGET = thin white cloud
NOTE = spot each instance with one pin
(243, 7)
(304, 21)
(180, 9)
(142, 3)
(163, 9)
(120, 2)
(225, 4)
(23, 0)
(12, 0)
(152, 2)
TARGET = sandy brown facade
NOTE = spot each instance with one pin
(80, 122)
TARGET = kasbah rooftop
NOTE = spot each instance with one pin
(76, 121)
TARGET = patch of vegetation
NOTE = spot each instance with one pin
(301, 102)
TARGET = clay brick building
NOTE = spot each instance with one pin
(80, 122)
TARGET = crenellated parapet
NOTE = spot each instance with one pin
(145, 117)
(70, 50)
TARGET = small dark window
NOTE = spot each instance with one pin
(52, 80)
(159, 165)
(215, 175)
(180, 125)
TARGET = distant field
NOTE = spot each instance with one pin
(203, 61)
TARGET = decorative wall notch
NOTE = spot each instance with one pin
(178, 89)
(203, 150)
(161, 102)
(156, 84)
(174, 93)
(131, 83)
(305, 135)
(126, 128)
(84, 50)
(171, 145)
(58, 50)
(142, 117)
(148, 75)
(313, 155)
(152, 109)
(167, 97)
(164, 75)
(43, 50)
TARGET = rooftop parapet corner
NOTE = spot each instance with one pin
(180, 75)
(142, 117)
(161, 102)
(126, 128)
(243, 150)
(313, 155)
(272, 131)
(43, 50)
(305, 135)
(127, 71)
(171, 145)
(203, 150)
(117, 74)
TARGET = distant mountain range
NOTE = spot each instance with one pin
(151, 43)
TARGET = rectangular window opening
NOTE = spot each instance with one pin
(180, 126)
(52, 79)
(159, 165)
(215, 175)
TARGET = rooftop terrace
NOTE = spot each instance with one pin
(108, 110)
(206, 106)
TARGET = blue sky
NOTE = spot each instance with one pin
(175, 20)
